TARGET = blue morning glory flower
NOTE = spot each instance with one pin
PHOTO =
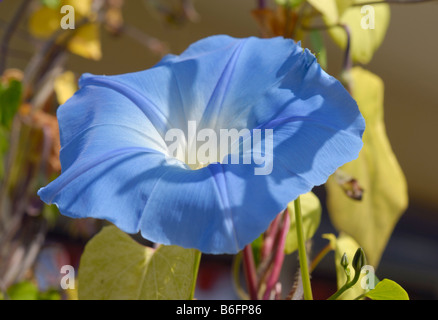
(139, 150)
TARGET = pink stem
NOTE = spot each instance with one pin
(250, 272)
(279, 257)
(269, 240)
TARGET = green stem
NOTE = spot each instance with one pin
(10, 29)
(198, 255)
(340, 291)
(302, 251)
(345, 287)
(236, 277)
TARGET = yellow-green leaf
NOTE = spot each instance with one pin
(372, 220)
(86, 42)
(328, 8)
(311, 212)
(331, 10)
(343, 5)
(44, 22)
(115, 267)
(331, 238)
(65, 86)
(367, 25)
(387, 290)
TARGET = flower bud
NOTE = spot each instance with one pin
(344, 261)
(359, 260)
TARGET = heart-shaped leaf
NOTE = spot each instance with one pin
(371, 220)
(387, 290)
(115, 267)
(367, 25)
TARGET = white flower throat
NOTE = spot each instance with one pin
(197, 149)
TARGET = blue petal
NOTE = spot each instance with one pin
(115, 164)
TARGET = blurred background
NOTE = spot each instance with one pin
(405, 61)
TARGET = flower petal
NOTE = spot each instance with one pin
(115, 161)
(216, 80)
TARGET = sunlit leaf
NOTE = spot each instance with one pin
(343, 5)
(387, 290)
(371, 220)
(367, 25)
(331, 238)
(86, 42)
(311, 212)
(328, 8)
(115, 267)
(44, 22)
(65, 86)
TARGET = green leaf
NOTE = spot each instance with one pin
(257, 245)
(53, 4)
(23, 291)
(10, 99)
(318, 46)
(27, 290)
(49, 295)
(115, 267)
(371, 220)
(387, 290)
(365, 38)
(4, 143)
(311, 211)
